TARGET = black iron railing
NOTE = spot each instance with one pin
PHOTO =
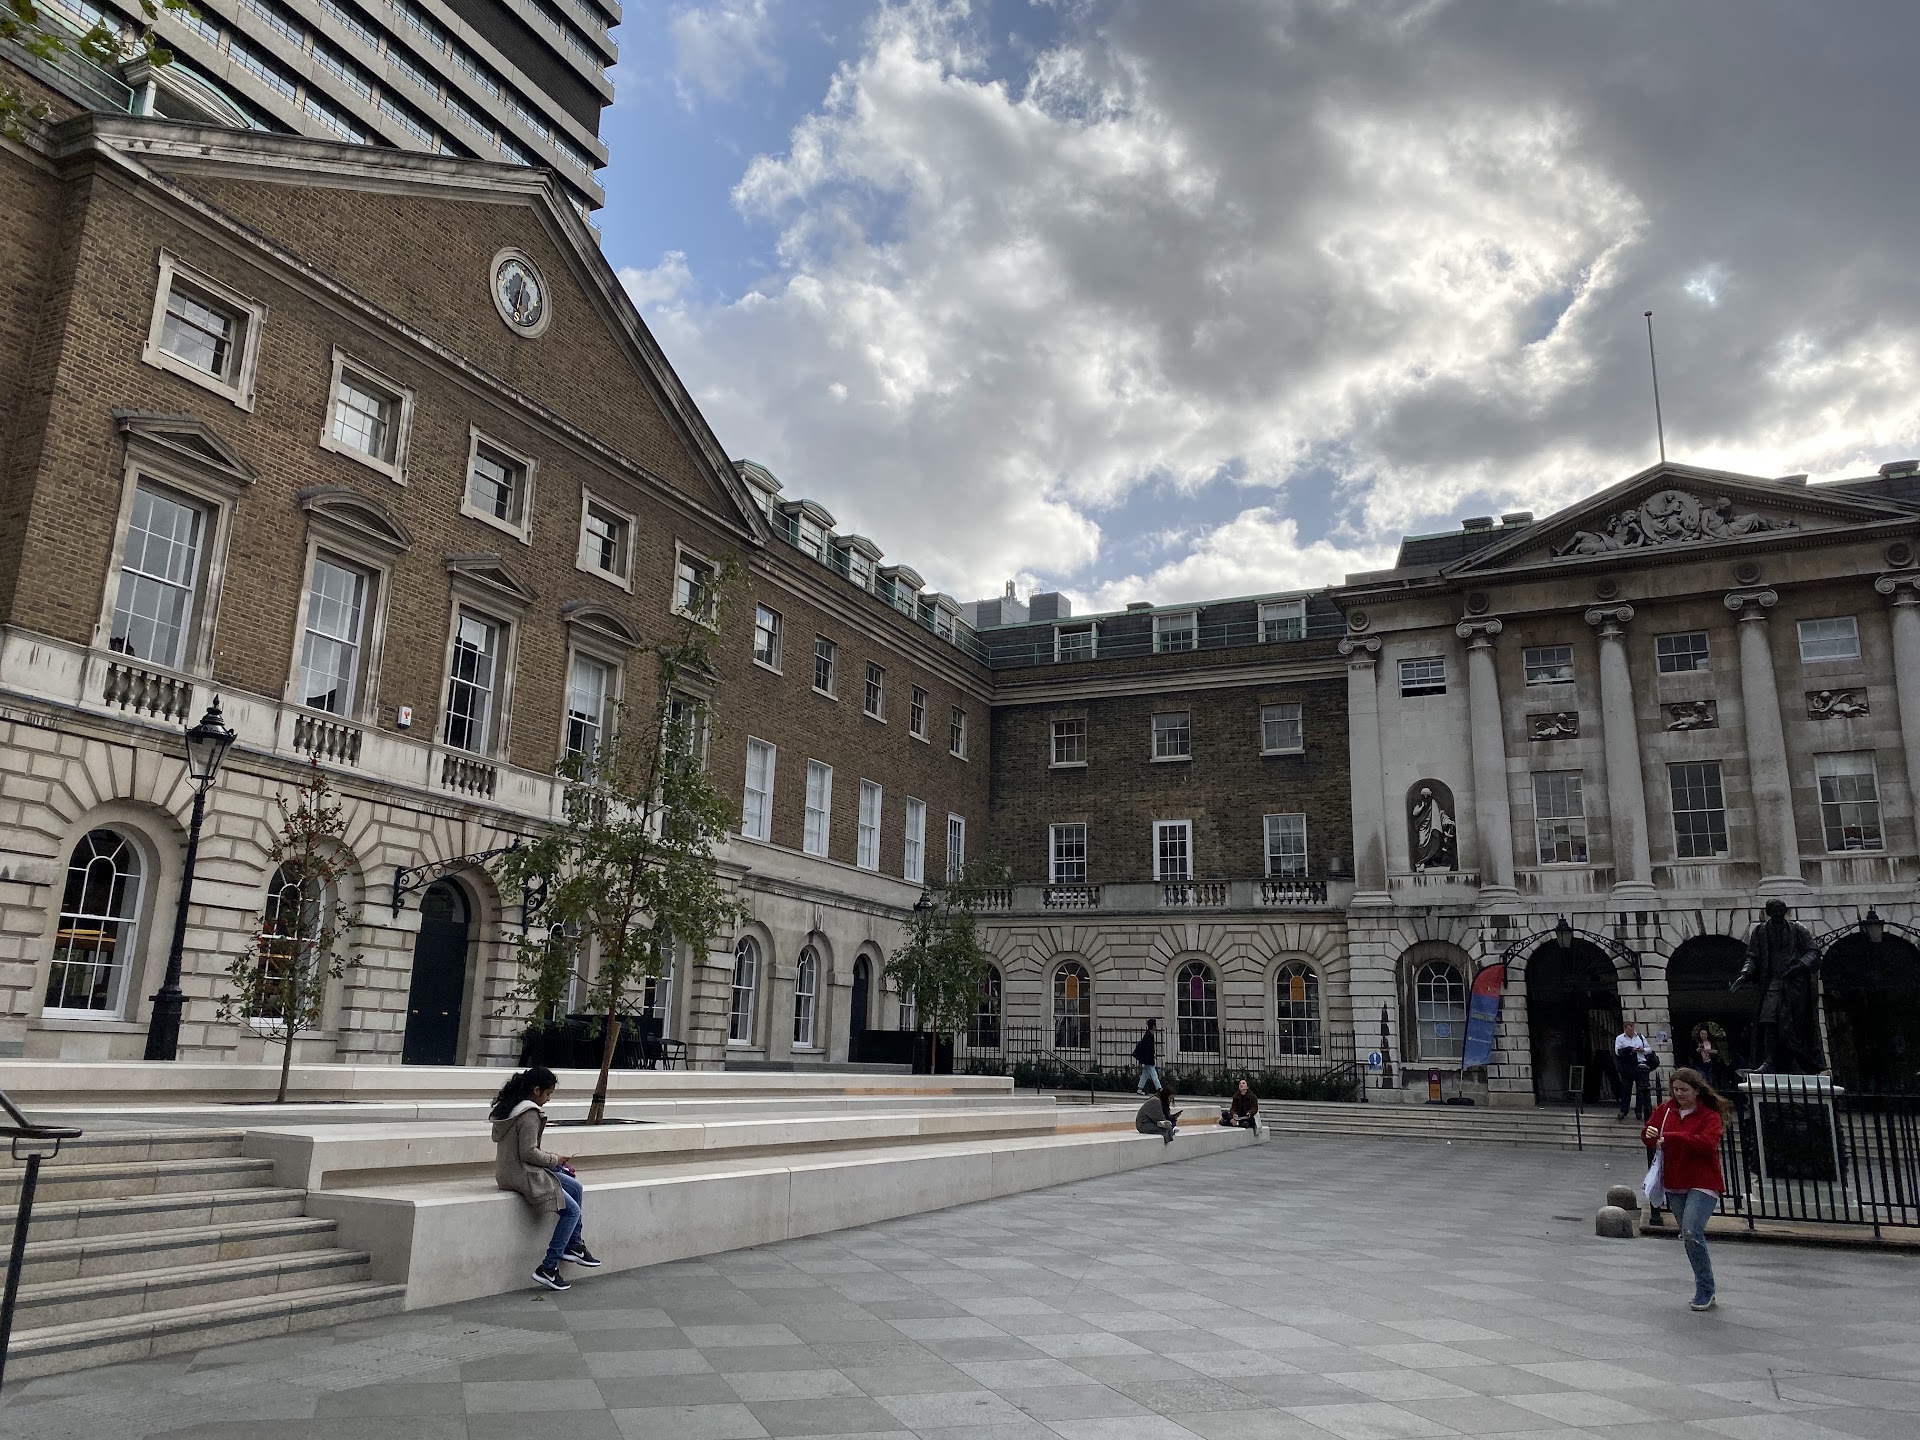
(1851, 1160)
(31, 1143)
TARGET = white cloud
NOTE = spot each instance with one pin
(663, 285)
(1238, 239)
(717, 48)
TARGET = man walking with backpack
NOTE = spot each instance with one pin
(1143, 1055)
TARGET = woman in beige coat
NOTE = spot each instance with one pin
(544, 1180)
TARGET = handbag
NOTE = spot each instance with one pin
(1655, 1183)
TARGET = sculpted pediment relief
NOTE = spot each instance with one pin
(1671, 517)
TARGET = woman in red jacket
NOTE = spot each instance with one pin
(1686, 1131)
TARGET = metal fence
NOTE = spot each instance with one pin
(1852, 1159)
(1308, 1062)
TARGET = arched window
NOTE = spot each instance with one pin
(93, 950)
(746, 975)
(1439, 1010)
(291, 921)
(806, 987)
(1196, 1007)
(986, 1015)
(1296, 1011)
(1072, 1007)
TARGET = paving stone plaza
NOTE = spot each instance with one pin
(1306, 1288)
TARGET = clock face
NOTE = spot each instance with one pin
(522, 295)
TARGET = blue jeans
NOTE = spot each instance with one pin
(1149, 1079)
(566, 1231)
(1692, 1208)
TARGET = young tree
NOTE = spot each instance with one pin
(277, 987)
(48, 39)
(942, 965)
(628, 871)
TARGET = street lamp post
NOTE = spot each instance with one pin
(207, 744)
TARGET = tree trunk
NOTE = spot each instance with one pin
(286, 1062)
(597, 1111)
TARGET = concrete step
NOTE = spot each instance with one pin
(56, 1349)
(120, 1147)
(145, 1214)
(119, 1179)
(113, 1297)
(85, 1257)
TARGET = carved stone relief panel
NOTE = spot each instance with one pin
(1555, 725)
(1694, 715)
(1669, 517)
(1836, 704)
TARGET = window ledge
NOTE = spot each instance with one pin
(231, 391)
(921, 738)
(877, 719)
(522, 532)
(618, 582)
(770, 669)
(705, 622)
(1291, 750)
(1172, 759)
(388, 468)
(107, 1024)
(827, 693)
(1066, 765)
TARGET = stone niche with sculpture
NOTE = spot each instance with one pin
(1433, 833)
(1669, 517)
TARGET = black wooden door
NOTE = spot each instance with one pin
(439, 979)
(857, 1021)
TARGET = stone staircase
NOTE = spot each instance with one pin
(148, 1242)
(1459, 1123)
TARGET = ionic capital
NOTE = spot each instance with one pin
(1360, 649)
(1901, 587)
(1610, 620)
(1479, 633)
(1752, 604)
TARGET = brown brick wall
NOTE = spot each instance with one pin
(1224, 789)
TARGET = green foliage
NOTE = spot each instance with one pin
(277, 986)
(628, 870)
(48, 39)
(942, 965)
(1050, 1073)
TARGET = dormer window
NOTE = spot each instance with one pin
(813, 538)
(1175, 631)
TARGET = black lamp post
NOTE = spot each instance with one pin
(924, 903)
(207, 744)
(1563, 934)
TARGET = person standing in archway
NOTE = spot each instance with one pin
(1632, 1064)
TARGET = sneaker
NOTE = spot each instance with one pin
(580, 1255)
(1702, 1302)
(550, 1278)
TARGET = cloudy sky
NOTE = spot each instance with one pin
(1161, 299)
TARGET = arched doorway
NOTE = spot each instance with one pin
(438, 992)
(1573, 1013)
(1698, 977)
(862, 990)
(1871, 994)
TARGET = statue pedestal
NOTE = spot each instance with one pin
(1799, 1172)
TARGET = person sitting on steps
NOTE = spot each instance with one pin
(1157, 1116)
(1244, 1110)
(544, 1180)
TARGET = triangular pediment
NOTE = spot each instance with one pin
(492, 573)
(1672, 511)
(185, 438)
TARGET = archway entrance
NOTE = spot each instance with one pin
(1573, 1013)
(1698, 975)
(438, 992)
(862, 988)
(1871, 994)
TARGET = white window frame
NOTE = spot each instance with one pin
(1168, 827)
(1092, 632)
(1062, 831)
(324, 533)
(1534, 658)
(777, 630)
(1054, 761)
(1706, 655)
(1157, 733)
(913, 855)
(1549, 829)
(956, 732)
(1849, 628)
(1833, 812)
(1298, 719)
(740, 1017)
(867, 850)
(806, 998)
(393, 466)
(131, 941)
(1278, 613)
(764, 830)
(832, 658)
(874, 699)
(237, 386)
(683, 555)
(1165, 627)
(494, 735)
(1270, 831)
(1411, 686)
(582, 558)
(197, 588)
(917, 706)
(371, 598)
(609, 702)
(522, 528)
(700, 732)
(1674, 812)
(816, 836)
(217, 501)
(956, 856)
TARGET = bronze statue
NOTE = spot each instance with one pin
(1783, 960)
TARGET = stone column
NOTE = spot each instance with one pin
(1620, 738)
(1902, 590)
(706, 1003)
(1773, 822)
(1369, 783)
(1492, 809)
